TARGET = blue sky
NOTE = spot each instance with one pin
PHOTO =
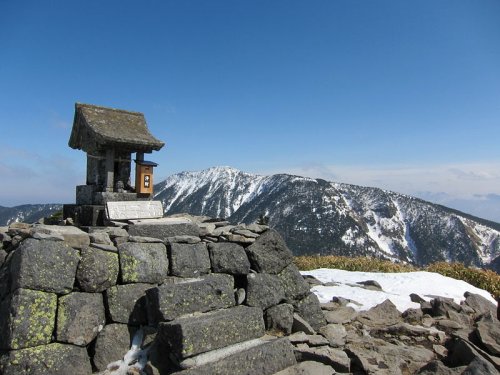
(395, 94)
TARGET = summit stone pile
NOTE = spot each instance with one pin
(197, 296)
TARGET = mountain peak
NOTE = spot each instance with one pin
(320, 217)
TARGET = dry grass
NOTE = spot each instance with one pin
(484, 279)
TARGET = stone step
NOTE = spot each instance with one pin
(194, 334)
(262, 356)
(169, 301)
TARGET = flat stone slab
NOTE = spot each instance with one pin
(163, 230)
(170, 301)
(191, 335)
(255, 357)
(126, 210)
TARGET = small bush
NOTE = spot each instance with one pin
(484, 279)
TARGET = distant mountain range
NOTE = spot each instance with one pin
(321, 217)
(28, 213)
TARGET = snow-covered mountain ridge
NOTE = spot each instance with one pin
(320, 217)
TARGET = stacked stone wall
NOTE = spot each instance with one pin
(71, 300)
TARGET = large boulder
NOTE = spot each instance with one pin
(143, 262)
(111, 345)
(191, 335)
(53, 359)
(293, 283)
(169, 301)
(279, 318)
(164, 231)
(228, 257)
(310, 309)
(27, 318)
(488, 333)
(80, 317)
(269, 253)
(98, 270)
(264, 290)
(49, 266)
(189, 260)
(127, 303)
(383, 314)
(72, 236)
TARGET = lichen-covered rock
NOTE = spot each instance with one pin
(293, 283)
(269, 253)
(143, 262)
(227, 257)
(52, 359)
(279, 318)
(169, 301)
(309, 309)
(80, 317)
(127, 303)
(111, 345)
(98, 270)
(189, 260)
(27, 318)
(48, 266)
(191, 335)
(264, 290)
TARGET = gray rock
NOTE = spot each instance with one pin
(228, 257)
(169, 301)
(311, 280)
(370, 285)
(97, 271)
(264, 290)
(340, 315)
(480, 304)
(73, 236)
(279, 318)
(383, 314)
(488, 333)
(413, 316)
(239, 239)
(441, 306)
(44, 265)
(184, 239)
(191, 335)
(3, 255)
(143, 262)
(111, 345)
(53, 359)
(293, 283)
(264, 359)
(269, 253)
(140, 239)
(381, 357)
(100, 238)
(316, 340)
(335, 334)
(110, 248)
(416, 298)
(256, 228)
(164, 231)
(335, 358)
(439, 368)
(80, 317)
(302, 325)
(245, 233)
(48, 237)
(480, 366)
(309, 308)
(127, 303)
(240, 294)
(189, 260)
(308, 368)
(27, 319)
(224, 230)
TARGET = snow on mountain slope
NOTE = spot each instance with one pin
(320, 217)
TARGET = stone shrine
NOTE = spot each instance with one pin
(109, 137)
